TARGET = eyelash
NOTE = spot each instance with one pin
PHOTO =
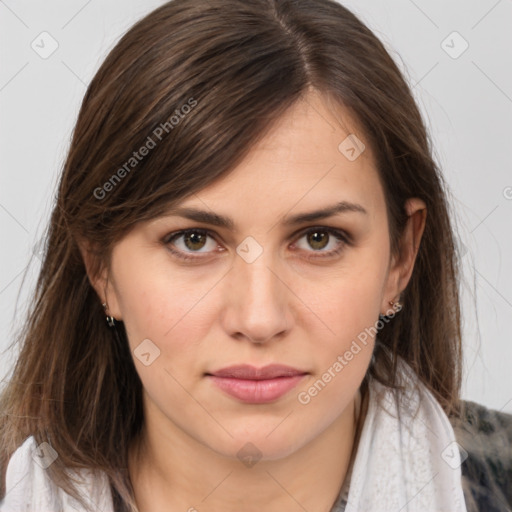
(341, 236)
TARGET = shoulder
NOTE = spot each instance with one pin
(26, 482)
(28, 486)
(486, 436)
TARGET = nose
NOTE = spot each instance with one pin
(257, 300)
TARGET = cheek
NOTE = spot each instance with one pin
(172, 310)
(344, 339)
(160, 308)
(350, 298)
(349, 310)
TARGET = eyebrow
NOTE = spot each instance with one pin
(215, 219)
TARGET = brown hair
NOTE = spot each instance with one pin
(211, 77)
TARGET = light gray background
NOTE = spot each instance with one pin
(466, 101)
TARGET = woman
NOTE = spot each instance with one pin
(251, 204)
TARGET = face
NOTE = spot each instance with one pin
(272, 288)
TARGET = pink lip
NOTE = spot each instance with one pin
(257, 385)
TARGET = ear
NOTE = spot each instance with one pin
(100, 278)
(402, 265)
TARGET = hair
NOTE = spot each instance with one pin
(199, 83)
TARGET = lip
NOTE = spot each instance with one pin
(257, 385)
(248, 372)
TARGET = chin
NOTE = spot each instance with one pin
(259, 443)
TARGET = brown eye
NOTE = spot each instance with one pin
(187, 242)
(194, 240)
(318, 239)
(190, 244)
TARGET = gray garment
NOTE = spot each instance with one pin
(486, 436)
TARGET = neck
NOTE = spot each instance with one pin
(170, 470)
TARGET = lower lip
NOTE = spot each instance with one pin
(256, 391)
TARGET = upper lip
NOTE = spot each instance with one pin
(248, 372)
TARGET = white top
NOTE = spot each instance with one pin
(412, 465)
(29, 488)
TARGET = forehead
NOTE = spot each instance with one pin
(316, 151)
(302, 167)
(316, 122)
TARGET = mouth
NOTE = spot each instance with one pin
(256, 385)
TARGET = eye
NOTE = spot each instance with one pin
(318, 238)
(185, 243)
(191, 241)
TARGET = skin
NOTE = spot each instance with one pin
(288, 306)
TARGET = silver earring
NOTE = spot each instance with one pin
(111, 321)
